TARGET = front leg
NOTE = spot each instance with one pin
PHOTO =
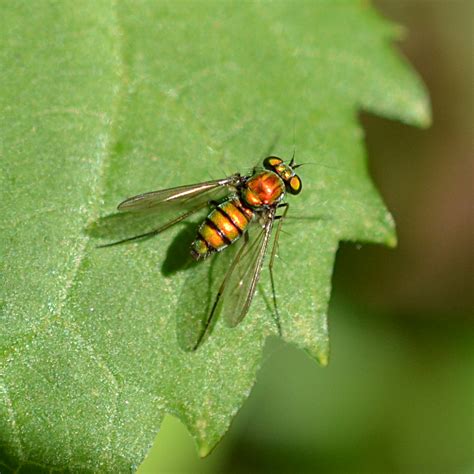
(280, 219)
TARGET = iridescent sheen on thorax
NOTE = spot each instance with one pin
(263, 189)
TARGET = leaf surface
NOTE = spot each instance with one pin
(103, 100)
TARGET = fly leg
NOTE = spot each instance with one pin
(280, 218)
(207, 323)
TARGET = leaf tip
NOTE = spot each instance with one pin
(422, 112)
(320, 354)
(323, 359)
(392, 240)
(204, 450)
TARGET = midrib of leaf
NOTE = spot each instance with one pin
(99, 190)
(108, 140)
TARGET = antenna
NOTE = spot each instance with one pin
(294, 145)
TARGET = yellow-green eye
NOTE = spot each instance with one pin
(295, 185)
(271, 162)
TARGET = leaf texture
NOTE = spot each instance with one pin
(103, 100)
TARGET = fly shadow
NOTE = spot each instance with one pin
(134, 228)
(121, 228)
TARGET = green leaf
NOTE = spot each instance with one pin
(103, 100)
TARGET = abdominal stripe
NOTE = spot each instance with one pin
(216, 229)
(229, 218)
(239, 205)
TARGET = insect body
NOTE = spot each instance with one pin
(230, 219)
(239, 203)
(224, 225)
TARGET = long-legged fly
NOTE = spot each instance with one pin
(243, 212)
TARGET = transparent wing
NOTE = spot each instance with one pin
(149, 214)
(196, 313)
(155, 199)
(241, 283)
(223, 284)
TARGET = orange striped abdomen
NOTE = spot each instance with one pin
(222, 227)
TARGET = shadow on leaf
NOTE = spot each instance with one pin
(120, 225)
(197, 298)
(178, 256)
(122, 228)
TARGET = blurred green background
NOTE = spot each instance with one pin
(398, 393)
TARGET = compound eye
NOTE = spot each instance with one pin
(271, 162)
(294, 185)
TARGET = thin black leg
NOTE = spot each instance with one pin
(280, 218)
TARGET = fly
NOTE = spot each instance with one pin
(242, 216)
